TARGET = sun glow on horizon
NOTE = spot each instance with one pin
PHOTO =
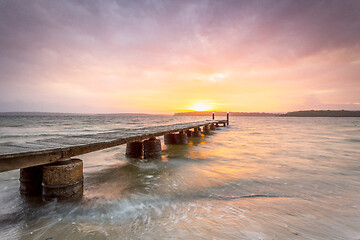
(200, 107)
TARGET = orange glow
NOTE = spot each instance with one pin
(200, 107)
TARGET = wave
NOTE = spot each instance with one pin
(222, 197)
(31, 135)
(123, 208)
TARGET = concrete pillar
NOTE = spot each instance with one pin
(212, 127)
(188, 133)
(134, 149)
(169, 139)
(196, 133)
(63, 179)
(181, 138)
(206, 129)
(31, 181)
(152, 148)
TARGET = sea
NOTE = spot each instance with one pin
(258, 178)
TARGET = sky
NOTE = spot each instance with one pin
(92, 56)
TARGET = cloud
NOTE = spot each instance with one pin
(118, 48)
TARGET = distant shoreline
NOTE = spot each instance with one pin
(309, 113)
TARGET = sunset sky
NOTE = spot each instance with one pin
(170, 56)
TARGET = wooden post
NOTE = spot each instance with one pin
(213, 116)
(227, 118)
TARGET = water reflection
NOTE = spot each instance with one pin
(121, 181)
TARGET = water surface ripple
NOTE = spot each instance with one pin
(259, 178)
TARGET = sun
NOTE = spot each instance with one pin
(200, 107)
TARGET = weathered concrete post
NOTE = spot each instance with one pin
(181, 138)
(63, 179)
(227, 118)
(134, 149)
(31, 181)
(212, 126)
(206, 129)
(169, 139)
(196, 132)
(188, 133)
(152, 148)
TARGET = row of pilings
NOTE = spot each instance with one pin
(64, 179)
(151, 148)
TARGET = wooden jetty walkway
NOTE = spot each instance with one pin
(47, 168)
(16, 156)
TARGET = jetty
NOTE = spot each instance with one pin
(47, 166)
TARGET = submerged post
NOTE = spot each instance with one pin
(206, 129)
(135, 149)
(227, 118)
(196, 132)
(63, 179)
(181, 138)
(31, 181)
(188, 132)
(152, 148)
(169, 138)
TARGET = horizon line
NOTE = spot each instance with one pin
(160, 114)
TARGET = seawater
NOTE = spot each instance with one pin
(259, 178)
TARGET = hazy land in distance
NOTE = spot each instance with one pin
(309, 113)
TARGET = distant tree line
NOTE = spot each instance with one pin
(323, 113)
(309, 113)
